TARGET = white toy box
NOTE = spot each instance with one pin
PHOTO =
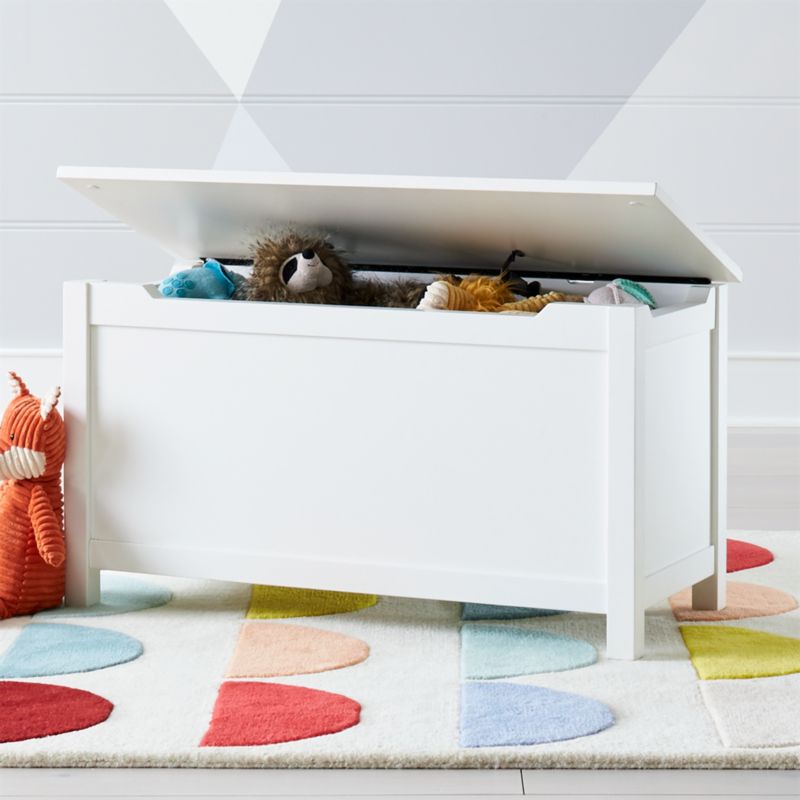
(574, 459)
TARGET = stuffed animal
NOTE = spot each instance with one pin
(480, 293)
(32, 551)
(209, 281)
(621, 292)
(300, 269)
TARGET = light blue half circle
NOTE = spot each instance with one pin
(501, 651)
(499, 714)
(118, 595)
(51, 648)
(471, 611)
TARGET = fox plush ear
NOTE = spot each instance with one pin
(49, 403)
(18, 387)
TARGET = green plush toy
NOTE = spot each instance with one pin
(619, 292)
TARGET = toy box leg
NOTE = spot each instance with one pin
(625, 547)
(82, 582)
(625, 635)
(709, 594)
(83, 585)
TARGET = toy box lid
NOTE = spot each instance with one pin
(570, 228)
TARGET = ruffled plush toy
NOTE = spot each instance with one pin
(480, 293)
(210, 281)
(32, 551)
(300, 269)
(621, 292)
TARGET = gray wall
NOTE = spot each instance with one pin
(703, 97)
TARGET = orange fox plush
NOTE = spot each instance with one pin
(32, 446)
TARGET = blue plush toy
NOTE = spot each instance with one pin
(211, 282)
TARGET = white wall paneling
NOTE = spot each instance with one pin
(720, 164)
(764, 389)
(57, 254)
(725, 164)
(703, 97)
(37, 137)
(96, 48)
(764, 316)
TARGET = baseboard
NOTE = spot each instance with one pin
(764, 388)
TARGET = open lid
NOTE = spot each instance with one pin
(571, 228)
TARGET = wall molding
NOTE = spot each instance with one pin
(726, 101)
(764, 387)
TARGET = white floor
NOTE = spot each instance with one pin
(764, 491)
(472, 784)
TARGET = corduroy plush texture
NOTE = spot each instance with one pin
(32, 550)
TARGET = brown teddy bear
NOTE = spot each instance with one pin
(293, 268)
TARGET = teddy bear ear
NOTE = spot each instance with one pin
(18, 387)
(49, 403)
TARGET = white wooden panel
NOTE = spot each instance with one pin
(676, 450)
(82, 583)
(293, 443)
(573, 226)
(721, 164)
(678, 575)
(512, 585)
(625, 536)
(85, 47)
(34, 263)
(559, 326)
(37, 138)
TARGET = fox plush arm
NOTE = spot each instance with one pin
(46, 528)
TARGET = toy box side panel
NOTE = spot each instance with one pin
(676, 467)
(350, 454)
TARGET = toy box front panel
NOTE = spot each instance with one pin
(454, 456)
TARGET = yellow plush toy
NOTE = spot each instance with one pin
(481, 293)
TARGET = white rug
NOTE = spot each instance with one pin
(409, 688)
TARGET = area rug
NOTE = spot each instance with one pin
(210, 674)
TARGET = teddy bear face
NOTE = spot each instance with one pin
(298, 269)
